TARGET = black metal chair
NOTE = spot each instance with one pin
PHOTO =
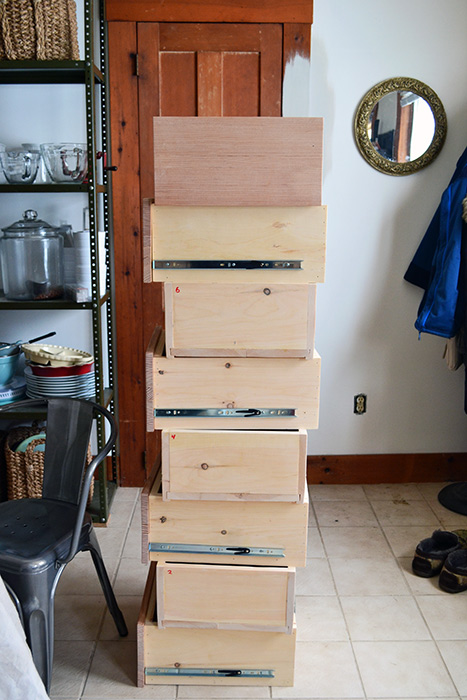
(40, 536)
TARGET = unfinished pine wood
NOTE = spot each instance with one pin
(209, 648)
(234, 465)
(238, 161)
(224, 523)
(237, 233)
(153, 483)
(208, 596)
(243, 383)
(239, 320)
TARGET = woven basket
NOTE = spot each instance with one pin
(25, 470)
(42, 30)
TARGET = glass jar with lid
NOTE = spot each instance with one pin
(31, 253)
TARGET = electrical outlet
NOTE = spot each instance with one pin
(359, 404)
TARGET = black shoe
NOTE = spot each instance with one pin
(453, 576)
(431, 553)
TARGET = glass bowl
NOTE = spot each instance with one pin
(20, 167)
(65, 162)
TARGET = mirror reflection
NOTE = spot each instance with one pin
(400, 126)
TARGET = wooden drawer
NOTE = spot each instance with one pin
(285, 391)
(234, 465)
(238, 161)
(210, 596)
(194, 656)
(239, 320)
(263, 533)
(200, 244)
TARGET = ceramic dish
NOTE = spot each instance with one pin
(55, 355)
(72, 370)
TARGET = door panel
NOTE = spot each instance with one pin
(177, 81)
(241, 89)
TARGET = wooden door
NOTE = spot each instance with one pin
(171, 69)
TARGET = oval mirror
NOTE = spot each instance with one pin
(400, 126)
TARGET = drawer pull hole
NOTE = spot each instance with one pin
(204, 466)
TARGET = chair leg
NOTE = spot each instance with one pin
(111, 601)
(35, 594)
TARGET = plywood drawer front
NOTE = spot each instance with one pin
(192, 656)
(223, 532)
(239, 320)
(225, 597)
(237, 384)
(237, 161)
(250, 235)
(234, 465)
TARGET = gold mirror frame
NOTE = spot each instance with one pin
(365, 109)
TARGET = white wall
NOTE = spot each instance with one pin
(366, 310)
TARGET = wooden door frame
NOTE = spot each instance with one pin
(262, 11)
(295, 16)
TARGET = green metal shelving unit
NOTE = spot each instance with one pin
(98, 188)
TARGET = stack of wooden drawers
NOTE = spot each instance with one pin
(237, 235)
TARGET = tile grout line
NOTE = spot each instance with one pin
(396, 559)
(435, 641)
(127, 531)
(342, 611)
(410, 594)
(99, 630)
(91, 659)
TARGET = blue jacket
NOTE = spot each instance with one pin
(437, 264)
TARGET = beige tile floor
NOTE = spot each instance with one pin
(367, 627)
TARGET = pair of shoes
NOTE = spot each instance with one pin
(444, 553)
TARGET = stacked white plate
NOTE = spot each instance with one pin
(69, 266)
(14, 391)
(79, 386)
(82, 250)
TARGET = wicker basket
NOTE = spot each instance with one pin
(43, 30)
(25, 470)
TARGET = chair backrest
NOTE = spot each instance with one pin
(69, 423)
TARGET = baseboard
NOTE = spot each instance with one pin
(387, 468)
